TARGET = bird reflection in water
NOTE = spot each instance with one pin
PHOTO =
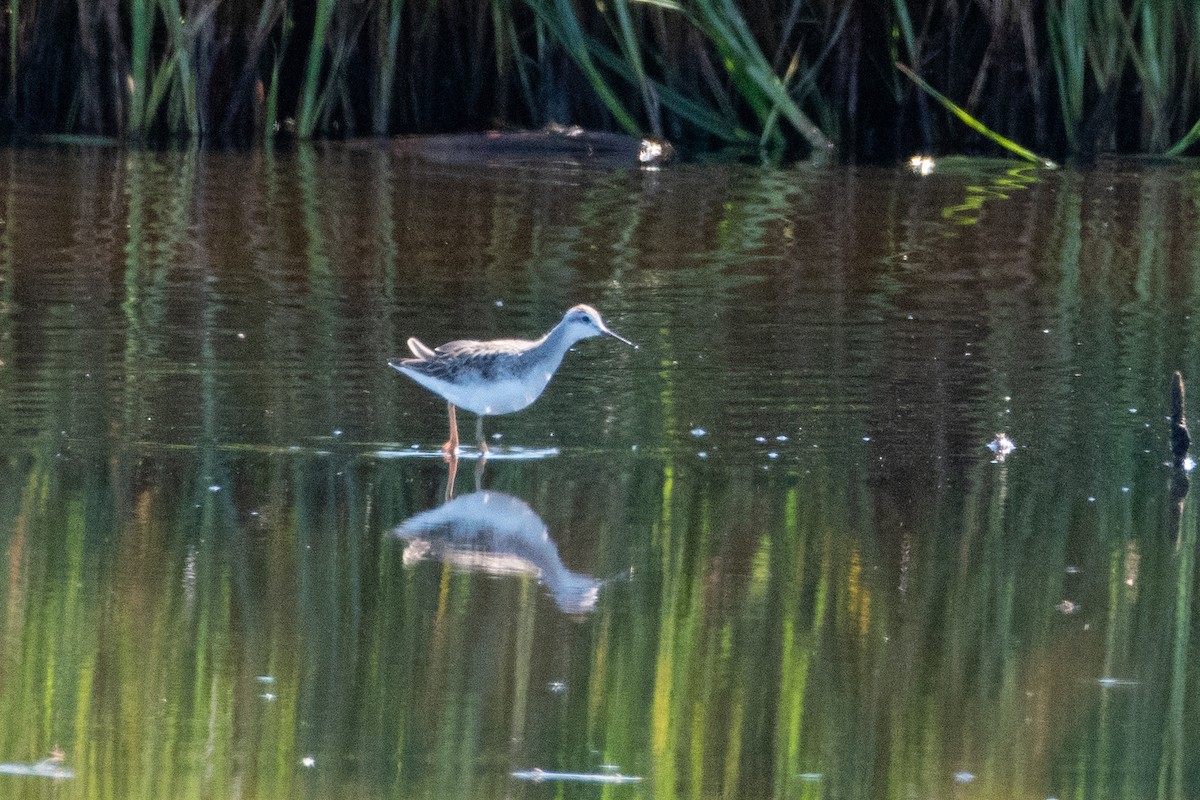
(496, 533)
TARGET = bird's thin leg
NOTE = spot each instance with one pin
(451, 447)
(452, 473)
(483, 451)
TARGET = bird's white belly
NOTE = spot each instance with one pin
(501, 397)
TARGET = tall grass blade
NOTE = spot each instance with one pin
(245, 92)
(141, 22)
(707, 120)
(905, 26)
(310, 108)
(749, 69)
(1067, 54)
(973, 123)
(632, 51)
(14, 11)
(390, 14)
(1183, 144)
(508, 49)
(564, 24)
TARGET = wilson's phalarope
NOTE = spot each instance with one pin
(500, 376)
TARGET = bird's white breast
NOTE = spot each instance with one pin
(491, 398)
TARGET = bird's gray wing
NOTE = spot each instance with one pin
(468, 356)
(469, 348)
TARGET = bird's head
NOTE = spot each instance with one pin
(582, 321)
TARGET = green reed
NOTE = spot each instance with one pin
(780, 78)
(311, 90)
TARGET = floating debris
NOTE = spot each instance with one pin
(1001, 445)
(1113, 683)
(540, 775)
(557, 687)
(922, 165)
(963, 776)
(1069, 607)
(810, 777)
(698, 432)
(308, 762)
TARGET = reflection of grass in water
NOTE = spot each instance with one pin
(999, 187)
(763, 635)
(813, 603)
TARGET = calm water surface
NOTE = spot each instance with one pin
(766, 555)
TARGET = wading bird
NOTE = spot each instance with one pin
(500, 376)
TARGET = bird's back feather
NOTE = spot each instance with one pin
(419, 348)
